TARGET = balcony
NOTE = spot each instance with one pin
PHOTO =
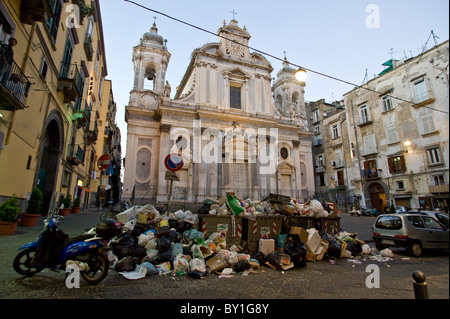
(88, 48)
(80, 113)
(14, 85)
(75, 155)
(91, 134)
(70, 82)
(443, 188)
(32, 11)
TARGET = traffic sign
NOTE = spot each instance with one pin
(103, 162)
(173, 162)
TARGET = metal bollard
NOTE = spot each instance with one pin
(420, 286)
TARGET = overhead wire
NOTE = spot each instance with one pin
(283, 60)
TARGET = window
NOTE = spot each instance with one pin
(338, 162)
(431, 223)
(397, 164)
(387, 103)
(67, 56)
(53, 22)
(284, 153)
(320, 160)
(335, 131)
(416, 221)
(321, 180)
(437, 179)
(392, 135)
(43, 68)
(315, 116)
(400, 185)
(317, 129)
(235, 97)
(434, 156)
(389, 222)
(427, 122)
(364, 114)
(421, 90)
(5, 29)
(370, 169)
(340, 178)
(370, 146)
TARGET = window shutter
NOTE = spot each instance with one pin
(402, 161)
(391, 165)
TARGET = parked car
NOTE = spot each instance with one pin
(415, 232)
(440, 216)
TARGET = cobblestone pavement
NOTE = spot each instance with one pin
(319, 280)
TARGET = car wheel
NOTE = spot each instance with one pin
(416, 249)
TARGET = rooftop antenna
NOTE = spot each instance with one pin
(426, 43)
(366, 78)
(391, 52)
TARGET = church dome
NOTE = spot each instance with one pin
(152, 36)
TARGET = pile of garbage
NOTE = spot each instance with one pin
(169, 244)
(270, 205)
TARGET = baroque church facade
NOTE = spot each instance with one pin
(234, 129)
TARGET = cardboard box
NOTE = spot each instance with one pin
(216, 263)
(266, 246)
(321, 250)
(310, 256)
(313, 240)
(303, 234)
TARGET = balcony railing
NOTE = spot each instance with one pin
(70, 82)
(443, 188)
(14, 85)
(32, 11)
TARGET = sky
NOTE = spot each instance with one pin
(342, 39)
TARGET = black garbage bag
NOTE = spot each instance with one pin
(204, 209)
(123, 247)
(242, 265)
(125, 264)
(295, 248)
(259, 256)
(275, 258)
(354, 247)
(164, 244)
(138, 251)
(334, 249)
(162, 231)
(175, 236)
(163, 257)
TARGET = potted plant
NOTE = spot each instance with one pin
(33, 211)
(9, 212)
(66, 202)
(76, 205)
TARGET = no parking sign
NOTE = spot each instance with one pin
(173, 162)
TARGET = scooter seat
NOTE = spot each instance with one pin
(78, 238)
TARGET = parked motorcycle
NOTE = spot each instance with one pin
(53, 249)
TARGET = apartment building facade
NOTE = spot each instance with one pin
(398, 124)
(55, 100)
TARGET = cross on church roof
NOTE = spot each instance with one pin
(154, 19)
(233, 12)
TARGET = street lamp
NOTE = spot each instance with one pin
(300, 75)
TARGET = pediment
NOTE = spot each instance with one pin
(237, 73)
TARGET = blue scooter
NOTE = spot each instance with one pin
(54, 248)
